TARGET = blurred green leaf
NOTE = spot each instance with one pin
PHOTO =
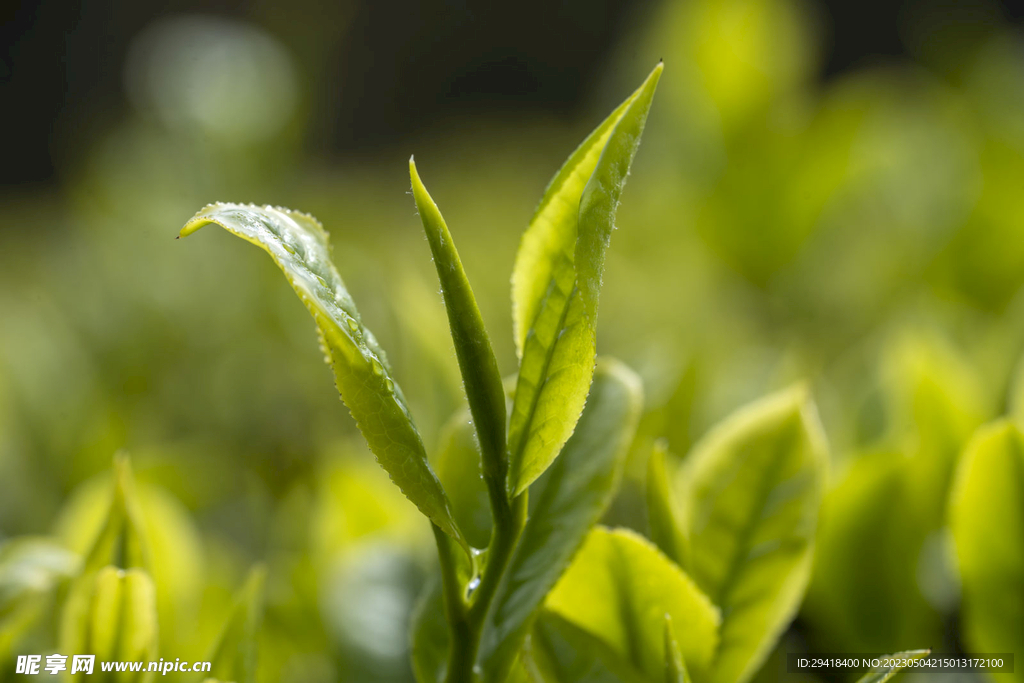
(753, 486)
(298, 244)
(480, 374)
(866, 516)
(167, 531)
(570, 499)
(111, 613)
(620, 587)
(555, 288)
(883, 673)
(987, 520)
(667, 530)
(234, 655)
(123, 539)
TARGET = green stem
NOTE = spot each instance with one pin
(466, 621)
(455, 609)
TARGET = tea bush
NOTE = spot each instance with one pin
(796, 260)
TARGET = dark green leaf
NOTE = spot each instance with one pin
(561, 652)
(555, 288)
(480, 374)
(571, 498)
(298, 244)
(752, 489)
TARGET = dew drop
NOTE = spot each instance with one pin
(390, 384)
(289, 248)
(322, 281)
(352, 324)
(378, 369)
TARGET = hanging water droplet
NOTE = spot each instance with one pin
(378, 369)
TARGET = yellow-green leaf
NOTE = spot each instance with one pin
(298, 244)
(751, 492)
(987, 520)
(555, 287)
(620, 587)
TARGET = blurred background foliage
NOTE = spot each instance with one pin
(861, 231)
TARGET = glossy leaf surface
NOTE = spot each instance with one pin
(298, 244)
(555, 287)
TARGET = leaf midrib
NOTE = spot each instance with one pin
(736, 563)
(549, 354)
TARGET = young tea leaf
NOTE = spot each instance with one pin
(986, 516)
(753, 487)
(555, 287)
(881, 674)
(298, 244)
(666, 529)
(570, 499)
(620, 587)
(480, 374)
